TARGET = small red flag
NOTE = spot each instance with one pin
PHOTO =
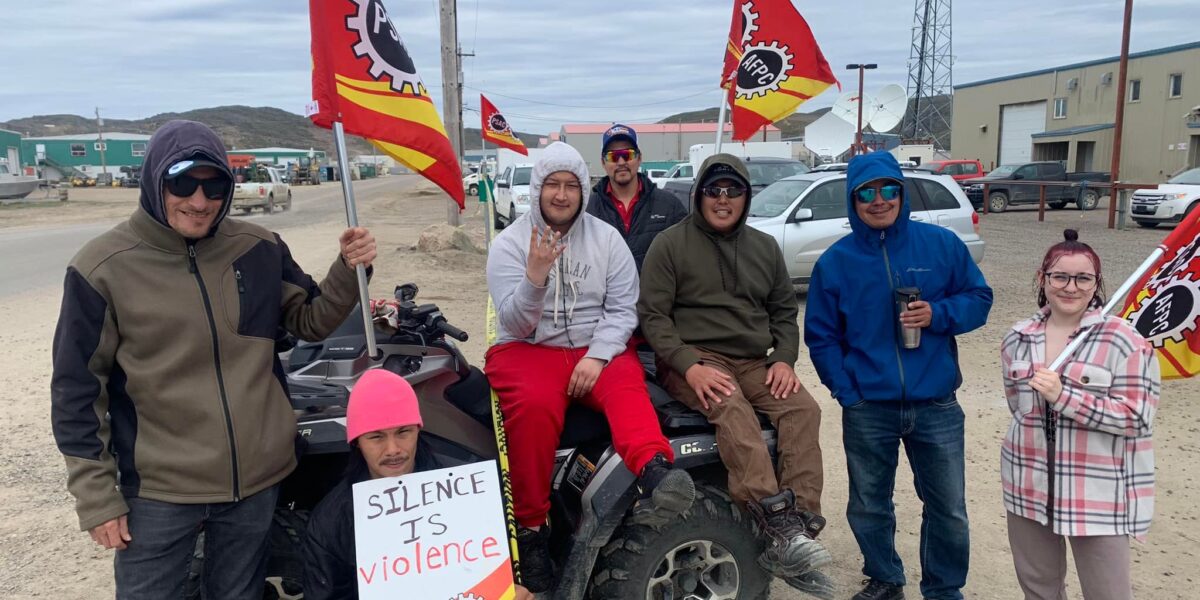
(772, 64)
(364, 77)
(495, 127)
(1165, 305)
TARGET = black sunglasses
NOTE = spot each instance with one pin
(216, 188)
(733, 192)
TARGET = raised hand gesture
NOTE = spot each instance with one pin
(545, 245)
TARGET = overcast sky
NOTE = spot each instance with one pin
(541, 62)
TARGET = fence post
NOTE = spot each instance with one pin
(1041, 202)
(986, 190)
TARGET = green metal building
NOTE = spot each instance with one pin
(59, 156)
(10, 149)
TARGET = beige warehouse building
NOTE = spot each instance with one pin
(1067, 113)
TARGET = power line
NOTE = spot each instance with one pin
(568, 120)
(688, 97)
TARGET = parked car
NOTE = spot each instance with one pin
(806, 214)
(259, 186)
(764, 170)
(1170, 203)
(1005, 189)
(512, 193)
(835, 166)
(471, 184)
(959, 170)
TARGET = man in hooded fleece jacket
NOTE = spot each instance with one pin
(565, 290)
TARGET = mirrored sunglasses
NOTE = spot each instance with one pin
(629, 154)
(732, 192)
(866, 195)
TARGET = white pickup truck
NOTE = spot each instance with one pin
(260, 186)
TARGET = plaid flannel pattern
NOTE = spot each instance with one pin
(1103, 459)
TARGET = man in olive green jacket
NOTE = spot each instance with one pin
(168, 400)
(727, 342)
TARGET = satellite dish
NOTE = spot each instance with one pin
(888, 108)
(829, 135)
(846, 108)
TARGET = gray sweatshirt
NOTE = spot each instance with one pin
(590, 299)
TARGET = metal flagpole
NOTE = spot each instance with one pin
(721, 119)
(484, 188)
(364, 298)
(1117, 298)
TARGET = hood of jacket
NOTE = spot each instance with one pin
(557, 157)
(175, 141)
(726, 164)
(866, 168)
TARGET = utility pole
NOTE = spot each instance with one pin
(858, 143)
(451, 89)
(1122, 72)
(100, 139)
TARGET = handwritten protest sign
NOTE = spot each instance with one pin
(437, 535)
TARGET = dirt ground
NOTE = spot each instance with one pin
(43, 555)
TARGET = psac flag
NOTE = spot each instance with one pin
(363, 76)
(772, 64)
(495, 128)
(1165, 306)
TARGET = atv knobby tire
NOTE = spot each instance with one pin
(713, 528)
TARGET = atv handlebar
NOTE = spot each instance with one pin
(451, 331)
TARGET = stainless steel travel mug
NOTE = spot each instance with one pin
(910, 336)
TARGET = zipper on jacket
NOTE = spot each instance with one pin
(887, 264)
(237, 274)
(212, 328)
(1051, 427)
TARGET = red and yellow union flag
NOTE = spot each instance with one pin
(1165, 305)
(364, 77)
(495, 128)
(772, 64)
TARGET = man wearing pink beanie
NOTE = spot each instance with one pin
(383, 426)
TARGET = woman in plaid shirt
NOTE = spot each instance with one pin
(1078, 462)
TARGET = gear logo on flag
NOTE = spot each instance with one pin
(763, 68)
(1170, 314)
(749, 22)
(467, 596)
(381, 44)
(498, 124)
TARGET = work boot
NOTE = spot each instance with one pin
(791, 550)
(814, 583)
(533, 548)
(664, 493)
(878, 590)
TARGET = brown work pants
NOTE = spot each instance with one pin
(797, 418)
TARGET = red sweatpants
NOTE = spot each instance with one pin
(531, 383)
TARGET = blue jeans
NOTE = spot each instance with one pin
(156, 562)
(932, 433)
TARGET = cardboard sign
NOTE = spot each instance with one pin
(438, 535)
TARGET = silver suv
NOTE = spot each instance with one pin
(807, 213)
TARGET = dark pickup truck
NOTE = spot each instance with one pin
(764, 170)
(1005, 187)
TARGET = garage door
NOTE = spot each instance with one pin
(1018, 123)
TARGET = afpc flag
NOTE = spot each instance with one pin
(495, 128)
(364, 77)
(772, 64)
(1165, 306)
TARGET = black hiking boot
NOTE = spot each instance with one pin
(878, 590)
(791, 550)
(814, 583)
(533, 548)
(664, 493)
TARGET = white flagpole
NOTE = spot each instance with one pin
(364, 298)
(721, 120)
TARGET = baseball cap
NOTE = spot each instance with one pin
(720, 171)
(183, 166)
(381, 400)
(617, 132)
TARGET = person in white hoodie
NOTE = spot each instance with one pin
(565, 290)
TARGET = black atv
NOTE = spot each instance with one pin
(709, 552)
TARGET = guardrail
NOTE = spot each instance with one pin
(1119, 187)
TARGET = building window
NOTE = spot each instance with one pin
(138, 148)
(1060, 108)
(78, 150)
(1175, 85)
(101, 146)
(1135, 90)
